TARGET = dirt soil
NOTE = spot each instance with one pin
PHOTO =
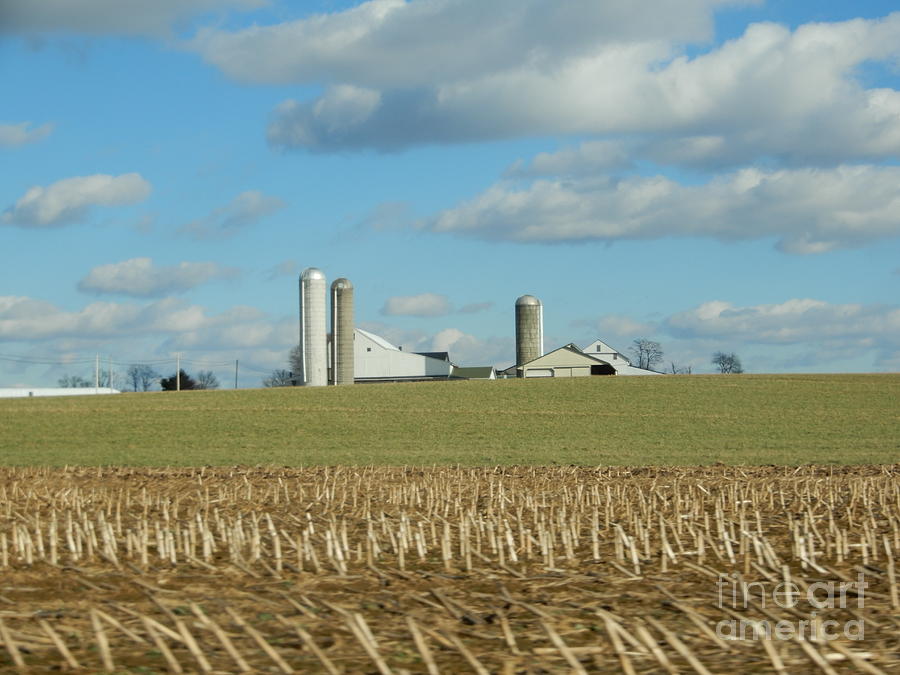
(495, 570)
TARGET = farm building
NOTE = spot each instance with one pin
(25, 392)
(597, 358)
(474, 373)
(601, 350)
(377, 360)
(567, 361)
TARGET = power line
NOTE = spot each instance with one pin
(90, 360)
(82, 362)
(44, 361)
(256, 370)
(212, 364)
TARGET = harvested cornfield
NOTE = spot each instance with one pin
(503, 570)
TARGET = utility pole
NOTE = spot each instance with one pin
(178, 371)
(235, 373)
(97, 372)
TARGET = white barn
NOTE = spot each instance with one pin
(598, 358)
(600, 350)
(567, 361)
(377, 360)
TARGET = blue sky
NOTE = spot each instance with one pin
(713, 175)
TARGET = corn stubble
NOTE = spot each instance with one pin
(487, 570)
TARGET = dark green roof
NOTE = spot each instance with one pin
(473, 372)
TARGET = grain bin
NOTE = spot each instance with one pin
(341, 332)
(529, 329)
(313, 349)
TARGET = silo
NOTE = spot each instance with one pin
(341, 332)
(529, 329)
(313, 349)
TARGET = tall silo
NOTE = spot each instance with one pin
(529, 329)
(313, 347)
(341, 332)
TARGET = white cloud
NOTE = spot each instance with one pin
(70, 199)
(445, 339)
(97, 17)
(808, 210)
(138, 277)
(396, 76)
(334, 115)
(65, 341)
(184, 326)
(387, 216)
(399, 44)
(590, 157)
(466, 349)
(246, 209)
(794, 321)
(12, 135)
(617, 330)
(23, 318)
(424, 304)
(236, 328)
(476, 307)
(286, 268)
(795, 335)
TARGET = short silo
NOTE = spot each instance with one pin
(529, 330)
(341, 332)
(313, 346)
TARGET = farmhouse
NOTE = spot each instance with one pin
(598, 358)
(567, 361)
(621, 363)
(600, 350)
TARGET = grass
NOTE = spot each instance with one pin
(746, 419)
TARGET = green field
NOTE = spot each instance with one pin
(746, 419)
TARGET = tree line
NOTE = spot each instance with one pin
(648, 354)
(141, 377)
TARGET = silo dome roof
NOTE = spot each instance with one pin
(312, 273)
(342, 284)
(527, 300)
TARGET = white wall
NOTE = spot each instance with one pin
(631, 370)
(25, 392)
(616, 359)
(604, 352)
(375, 358)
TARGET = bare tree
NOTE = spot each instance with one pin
(681, 370)
(113, 380)
(206, 379)
(727, 363)
(647, 353)
(141, 376)
(73, 381)
(279, 378)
